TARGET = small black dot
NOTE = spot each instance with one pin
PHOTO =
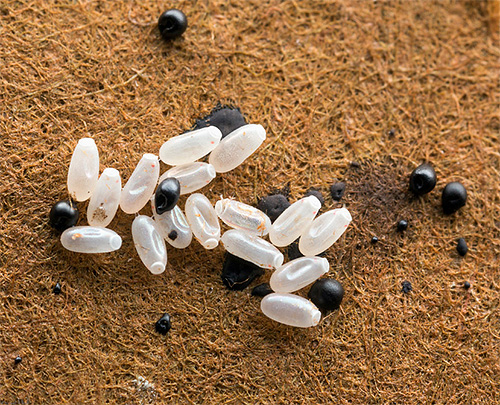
(163, 324)
(374, 240)
(462, 247)
(406, 287)
(173, 235)
(466, 285)
(337, 190)
(17, 360)
(57, 289)
(402, 225)
(391, 132)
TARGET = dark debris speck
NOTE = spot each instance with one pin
(337, 190)
(172, 235)
(466, 285)
(462, 248)
(273, 205)
(406, 287)
(374, 240)
(18, 359)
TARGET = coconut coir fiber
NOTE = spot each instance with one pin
(328, 80)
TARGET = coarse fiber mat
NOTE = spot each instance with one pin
(328, 80)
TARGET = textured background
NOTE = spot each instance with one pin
(328, 80)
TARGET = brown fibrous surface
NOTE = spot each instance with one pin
(328, 80)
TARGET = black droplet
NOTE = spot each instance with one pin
(406, 287)
(273, 205)
(262, 290)
(172, 235)
(462, 247)
(326, 294)
(466, 285)
(374, 240)
(315, 192)
(63, 215)
(17, 360)
(227, 119)
(422, 179)
(337, 190)
(237, 273)
(402, 225)
(57, 289)
(172, 24)
(163, 324)
(453, 198)
(167, 194)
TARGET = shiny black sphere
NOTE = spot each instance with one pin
(167, 194)
(326, 294)
(402, 225)
(172, 24)
(422, 179)
(453, 198)
(63, 215)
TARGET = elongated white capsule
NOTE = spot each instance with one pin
(324, 231)
(294, 220)
(250, 247)
(203, 220)
(291, 310)
(141, 184)
(105, 198)
(242, 216)
(90, 239)
(173, 226)
(298, 273)
(83, 170)
(191, 146)
(236, 147)
(191, 176)
(149, 244)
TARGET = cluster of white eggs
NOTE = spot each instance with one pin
(201, 219)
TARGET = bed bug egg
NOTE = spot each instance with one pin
(191, 146)
(191, 176)
(324, 231)
(242, 216)
(290, 309)
(236, 147)
(141, 184)
(149, 244)
(203, 220)
(250, 247)
(83, 170)
(90, 239)
(294, 220)
(105, 199)
(173, 227)
(298, 273)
